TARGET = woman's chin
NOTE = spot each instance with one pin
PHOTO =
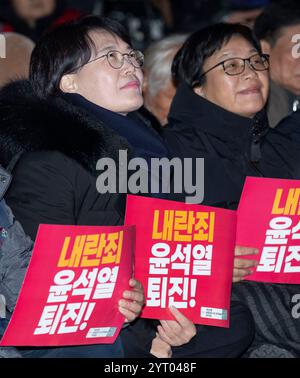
(136, 105)
(252, 110)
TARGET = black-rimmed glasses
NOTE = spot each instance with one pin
(236, 66)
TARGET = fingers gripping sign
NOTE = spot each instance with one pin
(133, 301)
(243, 267)
(176, 332)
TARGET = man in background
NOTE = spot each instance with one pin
(276, 29)
(158, 88)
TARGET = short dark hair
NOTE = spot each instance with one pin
(65, 48)
(188, 63)
(274, 17)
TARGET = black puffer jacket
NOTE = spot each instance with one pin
(232, 146)
(54, 180)
(286, 136)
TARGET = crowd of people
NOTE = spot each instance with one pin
(75, 88)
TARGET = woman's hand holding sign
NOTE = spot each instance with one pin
(172, 333)
(243, 267)
(133, 301)
(160, 348)
(176, 332)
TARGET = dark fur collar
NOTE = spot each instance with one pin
(28, 123)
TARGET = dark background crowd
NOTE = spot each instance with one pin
(147, 20)
(159, 28)
(206, 119)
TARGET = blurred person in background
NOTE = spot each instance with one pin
(158, 87)
(151, 20)
(16, 63)
(289, 131)
(276, 28)
(144, 22)
(244, 11)
(184, 16)
(33, 17)
(86, 6)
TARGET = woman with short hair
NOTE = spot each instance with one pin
(218, 114)
(84, 79)
(78, 107)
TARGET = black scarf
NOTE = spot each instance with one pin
(146, 143)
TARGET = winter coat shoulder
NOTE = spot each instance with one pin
(58, 146)
(286, 136)
(15, 250)
(232, 146)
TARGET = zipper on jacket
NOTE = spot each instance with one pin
(255, 151)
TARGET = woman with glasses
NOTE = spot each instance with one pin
(84, 80)
(218, 111)
(218, 114)
(78, 107)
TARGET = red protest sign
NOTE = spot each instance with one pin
(268, 219)
(70, 294)
(184, 258)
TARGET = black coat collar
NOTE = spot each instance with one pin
(145, 141)
(188, 110)
(29, 123)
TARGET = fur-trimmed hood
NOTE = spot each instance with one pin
(29, 123)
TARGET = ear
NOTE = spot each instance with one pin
(68, 84)
(199, 90)
(265, 46)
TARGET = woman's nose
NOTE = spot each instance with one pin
(249, 70)
(127, 65)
